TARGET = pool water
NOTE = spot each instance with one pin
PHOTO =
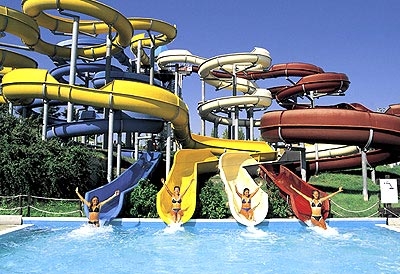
(289, 247)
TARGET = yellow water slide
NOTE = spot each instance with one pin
(23, 85)
(110, 20)
(233, 174)
(188, 164)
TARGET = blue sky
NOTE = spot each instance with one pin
(358, 38)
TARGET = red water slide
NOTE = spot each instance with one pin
(283, 178)
(348, 124)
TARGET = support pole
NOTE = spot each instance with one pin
(45, 120)
(111, 112)
(364, 174)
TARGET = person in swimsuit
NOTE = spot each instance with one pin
(95, 206)
(176, 199)
(316, 205)
(246, 209)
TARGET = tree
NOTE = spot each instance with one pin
(49, 168)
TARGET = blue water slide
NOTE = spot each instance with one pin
(129, 122)
(99, 78)
(61, 71)
(128, 180)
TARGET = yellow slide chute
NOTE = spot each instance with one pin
(139, 97)
(24, 85)
(188, 164)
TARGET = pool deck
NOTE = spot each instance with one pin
(4, 229)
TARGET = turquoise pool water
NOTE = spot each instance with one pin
(146, 246)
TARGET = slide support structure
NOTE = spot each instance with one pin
(45, 121)
(74, 47)
(364, 163)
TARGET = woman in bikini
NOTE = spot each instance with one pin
(316, 205)
(246, 209)
(176, 211)
(94, 206)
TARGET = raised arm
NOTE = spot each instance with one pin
(254, 193)
(300, 193)
(83, 200)
(116, 193)
(331, 195)
(237, 192)
(166, 187)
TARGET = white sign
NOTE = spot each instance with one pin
(389, 192)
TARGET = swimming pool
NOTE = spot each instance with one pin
(148, 246)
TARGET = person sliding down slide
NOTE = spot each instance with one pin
(316, 205)
(176, 211)
(94, 206)
(246, 209)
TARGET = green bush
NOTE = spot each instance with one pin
(143, 200)
(213, 201)
(51, 168)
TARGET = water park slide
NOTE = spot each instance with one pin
(283, 178)
(126, 95)
(127, 122)
(231, 167)
(10, 60)
(188, 164)
(129, 179)
(260, 99)
(345, 124)
(256, 60)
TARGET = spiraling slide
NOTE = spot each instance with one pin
(28, 84)
(126, 95)
(210, 70)
(233, 174)
(344, 124)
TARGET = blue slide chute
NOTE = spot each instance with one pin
(129, 179)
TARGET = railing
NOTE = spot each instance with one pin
(24, 204)
(374, 214)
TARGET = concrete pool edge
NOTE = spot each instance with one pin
(200, 223)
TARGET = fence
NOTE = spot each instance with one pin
(27, 205)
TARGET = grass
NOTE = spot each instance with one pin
(351, 203)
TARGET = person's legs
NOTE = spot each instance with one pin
(174, 215)
(179, 216)
(318, 221)
(251, 215)
(245, 213)
(322, 223)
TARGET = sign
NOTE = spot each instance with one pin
(389, 192)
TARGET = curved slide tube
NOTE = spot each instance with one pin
(341, 125)
(167, 34)
(188, 163)
(283, 179)
(100, 126)
(233, 173)
(214, 71)
(260, 99)
(10, 60)
(129, 179)
(137, 97)
(123, 95)
(107, 15)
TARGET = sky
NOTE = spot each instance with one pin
(358, 38)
